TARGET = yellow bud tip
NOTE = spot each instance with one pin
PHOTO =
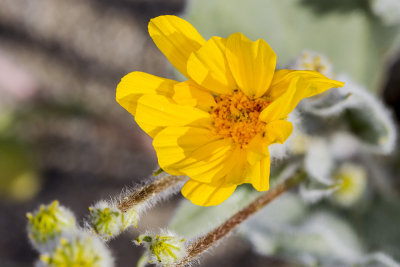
(29, 215)
(45, 258)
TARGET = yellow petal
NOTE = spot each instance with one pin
(160, 111)
(257, 149)
(207, 194)
(209, 68)
(258, 174)
(252, 64)
(136, 84)
(274, 91)
(282, 79)
(188, 93)
(282, 106)
(208, 163)
(290, 87)
(278, 131)
(174, 144)
(176, 38)
(274, 132)
(237, 167)
(151, 130)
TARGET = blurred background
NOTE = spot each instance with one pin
(63, 136)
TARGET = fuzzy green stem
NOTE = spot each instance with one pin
(148, 191)
(210, 239)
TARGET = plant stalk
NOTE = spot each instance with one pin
(148, 191)
(210, 239)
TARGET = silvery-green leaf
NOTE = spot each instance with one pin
(343, 145)
(378, 258)
(319, 161)
(191, 220)
(319, 237)
(264, 229)
(370, 121)
(387, 10)
(336, 238)
(314, 194)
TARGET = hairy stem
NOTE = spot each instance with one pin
(210, 239)
(148, 191)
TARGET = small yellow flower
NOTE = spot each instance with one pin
(351, 180)
(216, 126)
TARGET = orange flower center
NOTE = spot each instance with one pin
(237, 117)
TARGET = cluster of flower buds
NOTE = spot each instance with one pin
(53, 231)
(61, 242)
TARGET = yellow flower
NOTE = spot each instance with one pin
(216, 126)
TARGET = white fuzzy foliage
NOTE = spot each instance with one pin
(343, 145)
(353, 96)
(335, 236)
(312, 195)
(319, 161)
(387, 10)
(378, 258)
(373, 109)
(331, 103)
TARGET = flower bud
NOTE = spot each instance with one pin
(351, 182)
(78, 249)
(108, 221)
(311, 60)
(47, 223)
(165, 249)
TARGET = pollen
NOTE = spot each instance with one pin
(237, 117)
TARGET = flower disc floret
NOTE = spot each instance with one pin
(237, 117)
